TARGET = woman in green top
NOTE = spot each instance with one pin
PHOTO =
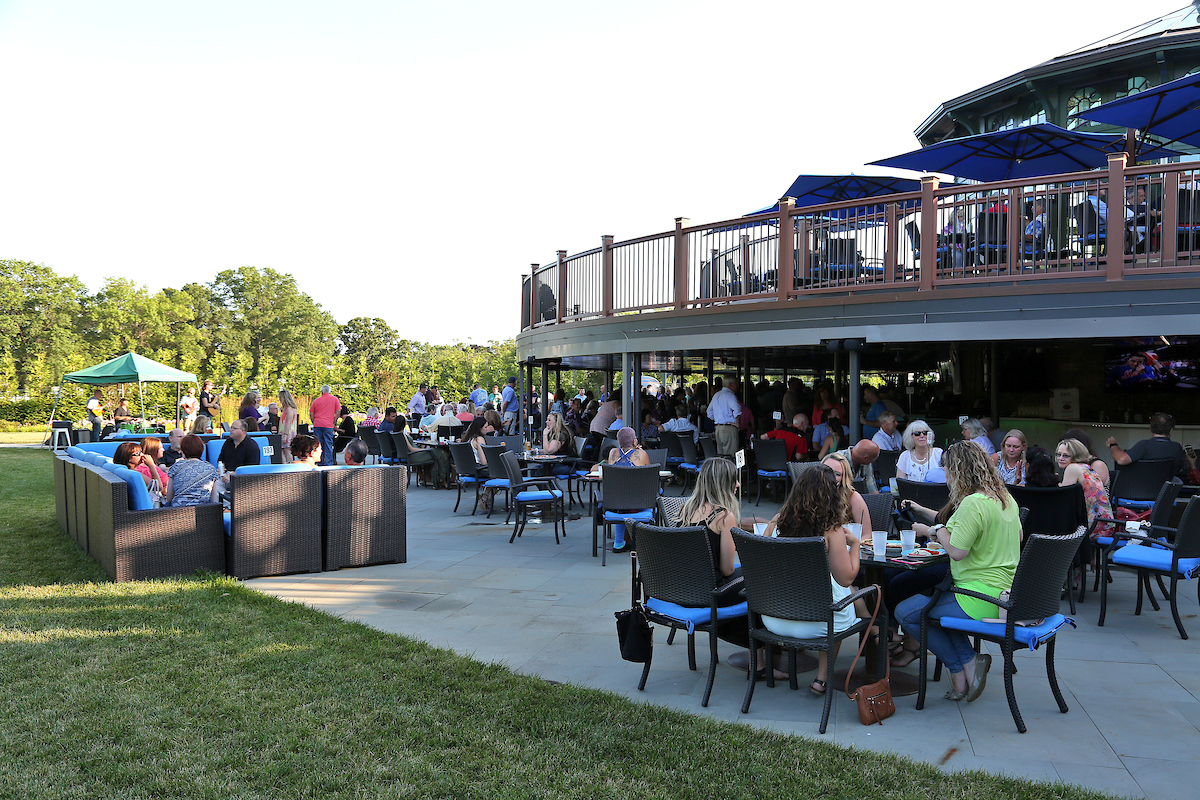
(983, 539)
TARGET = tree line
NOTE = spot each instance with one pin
(247, 328)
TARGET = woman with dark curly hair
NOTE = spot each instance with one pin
(983, 539)
(306, 450)
(816, 506)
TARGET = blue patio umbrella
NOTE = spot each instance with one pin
(1170, 111)
(811, 190)
(1030, 151)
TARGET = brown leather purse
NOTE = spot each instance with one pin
(874, 700)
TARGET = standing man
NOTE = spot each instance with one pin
(725, 410)
(95, 414)
(478, 396)
(324, 413)
(189, 406)
(417, 404)
(510, 405)
(210, 404)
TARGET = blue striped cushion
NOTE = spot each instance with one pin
(645, 515)
(496, 483)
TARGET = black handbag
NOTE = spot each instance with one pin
(634, 634)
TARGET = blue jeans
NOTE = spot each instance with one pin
(97, 427)
(952, 647)
(325, 437)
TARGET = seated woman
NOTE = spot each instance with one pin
(836, 440)
(1095, 463)
(1010, 461)
(1075, 459)
(973, 431)
(983, 540)
(845, 475)
(493, 418)
(919, 456)
(133, 456)
(475, 435)
(558, 441)
(202, 425)
(346, 430)
(627, 453)
(437, 459)
(816, 506)
(193, 482)
(373, 418)
(152, 456)
(904, 583)
(1039, 469)
(306, 450)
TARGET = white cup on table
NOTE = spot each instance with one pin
(760, 528)
(908, 541)
(879, 544)
(855, 528)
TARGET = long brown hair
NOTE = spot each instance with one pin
(814, 505)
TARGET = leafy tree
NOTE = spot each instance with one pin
(41, 320)
(368, 345)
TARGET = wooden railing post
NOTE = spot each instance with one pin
(1015, 235)
(606, 255)
(785, 269)
(1114, 249)
(533, 296)
(681, 262)
(562, 285)
(744, 250)
(1169, 239)
(891, 239)
(929, 184)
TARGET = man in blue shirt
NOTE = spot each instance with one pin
(478, 396)
(510, 405)
(875, 407)
(417, 404)
(389, 421)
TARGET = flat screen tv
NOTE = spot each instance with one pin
(1161, 363)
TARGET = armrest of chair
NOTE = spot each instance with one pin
(1146, 539)
(981, 596)
(864, 592)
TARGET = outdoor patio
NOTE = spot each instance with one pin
(1133, 686)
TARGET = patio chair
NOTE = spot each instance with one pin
(371, 440)
(658, 457)
(274, 522)
(1034, 599)
(931, 495)
(529, 491)
(797, 468)
(1152, 554)
(668, 511)
(365, 520)
(1136, 485)
(670, 441)
(674, 576)
(772, 464)
(690, 466)
(1188, 209)
(788, 578)
(991, 238)
(403, 451)
(885, 468)
(1160, 516)
(708, 446)
(1091, 231)
(1056, 511)
(498, 480)
(879, 506)
(387, 450)
(627, 494)
(468, 471)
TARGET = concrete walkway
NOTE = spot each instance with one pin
(1133, 686)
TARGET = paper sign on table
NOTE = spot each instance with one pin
(739, 458)
(267, 450)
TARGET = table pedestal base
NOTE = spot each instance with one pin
(804, 662)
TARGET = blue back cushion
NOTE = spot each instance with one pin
(75, 452)
(105, 448)
(212, 450)
(139, 497)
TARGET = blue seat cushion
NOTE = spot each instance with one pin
(496, 483)
(103, 448)
(645, 515)
(1142, 504)
(226, 517)
(1156, 558)
(694, 616)
(139, 496)
(778, 473)
(467, 479)
(675, 459)
(536, 497)
(689, 467)
(1032, 636)
(76, 453)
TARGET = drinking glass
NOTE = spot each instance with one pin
(879, 544)
(908, 541)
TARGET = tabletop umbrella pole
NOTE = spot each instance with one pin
(142, 400)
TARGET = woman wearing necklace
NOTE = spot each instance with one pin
(919, 454)
(1010, 461)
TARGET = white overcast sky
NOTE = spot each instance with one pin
(374, 148)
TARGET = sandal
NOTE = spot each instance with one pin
(818, 687)
(900, 660)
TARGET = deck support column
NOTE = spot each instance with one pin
(855, 409)
(1113, 260)
(929, 229)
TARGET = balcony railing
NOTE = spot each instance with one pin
(1060, 227)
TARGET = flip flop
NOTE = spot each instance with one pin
(818, 687)
(983, 662)
(912, 656)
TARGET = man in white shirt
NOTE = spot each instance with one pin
(725, 410)
(887, 437)
(95, 414)
(189, 405)
(680, 423)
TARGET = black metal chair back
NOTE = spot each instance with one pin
(690, 454)
(387, 450)
(514, 443)
(708, 446)
(676, 564)
(1187, 535)
(771, 455)
(797, 468)
(658, 458)
(670, 440)
(627, 488)
(464, 459)
(930, 495)
(1053, 510)
(786, 577)
(668, 511)
(400, 442)
(1038, 584)
(879, 506)
(367, 434)
(491, 454)
(885, 466)
(1141, 480)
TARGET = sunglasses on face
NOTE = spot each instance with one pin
(920, 433)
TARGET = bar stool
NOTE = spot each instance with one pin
(60, 434)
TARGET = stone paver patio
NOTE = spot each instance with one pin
(1133, 686)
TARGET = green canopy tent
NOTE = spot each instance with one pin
(129, 368)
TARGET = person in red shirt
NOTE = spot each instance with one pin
(795, 436)
(324, 413)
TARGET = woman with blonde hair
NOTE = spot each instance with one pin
(855, 505)
(1010, 461)
(919, 454)
(1075, 460)
(289, 417)
(202, 425)
(983, 539)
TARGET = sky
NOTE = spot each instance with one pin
(409, 160)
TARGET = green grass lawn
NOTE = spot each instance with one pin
(200, 688)
(22, 437)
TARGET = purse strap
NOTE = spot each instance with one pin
(863, 643)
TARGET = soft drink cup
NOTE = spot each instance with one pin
(879, 544)
(908, 541)
(855, 528)
(760, 528)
